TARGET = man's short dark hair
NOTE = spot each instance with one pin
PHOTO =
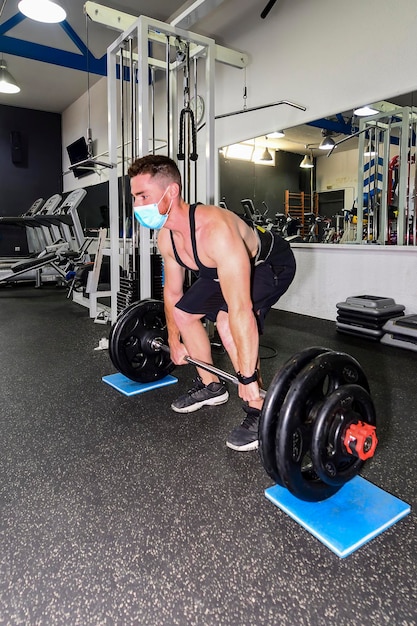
(156, 165)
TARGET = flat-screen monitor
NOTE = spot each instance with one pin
(78, 151)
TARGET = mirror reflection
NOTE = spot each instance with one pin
(348, 178)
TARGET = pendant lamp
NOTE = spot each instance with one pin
(7, 82)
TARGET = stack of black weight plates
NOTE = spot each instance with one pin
(401, 332)
(129, 291)
(366, 315)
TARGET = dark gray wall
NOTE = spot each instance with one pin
(39, 174)
(37, 170)
(244, 179)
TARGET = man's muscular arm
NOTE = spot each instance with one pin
(227, 248)
(173, 291)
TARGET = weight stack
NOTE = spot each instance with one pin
(157, 277)
(365, 316)
(401, 332)
(129, 291)
(129, 285)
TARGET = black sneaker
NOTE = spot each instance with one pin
(245, 436)
(201, 395)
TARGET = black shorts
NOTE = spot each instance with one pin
(269, 281)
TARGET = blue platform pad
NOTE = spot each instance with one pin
(354, 515)
(131, 388)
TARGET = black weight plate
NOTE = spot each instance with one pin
(124, 316)
(346, 405)
(294, 432)
(273, 403)
(129, 342)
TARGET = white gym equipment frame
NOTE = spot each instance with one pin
(380, 130)
(132, 55)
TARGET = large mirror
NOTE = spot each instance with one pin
(352, 193)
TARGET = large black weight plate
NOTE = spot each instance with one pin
(129, 342)
(294, 432)
(346, 405)
(272, 405)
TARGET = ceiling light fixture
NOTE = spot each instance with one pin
(266, 156)
(327, 143)
(364, 111)
(307, 162)
(278, 134)
(7, 82)
(42, 11)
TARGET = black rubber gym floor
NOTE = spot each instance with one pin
(118, 511)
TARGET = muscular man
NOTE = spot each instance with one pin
(242, 271)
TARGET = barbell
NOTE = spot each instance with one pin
(317, 425)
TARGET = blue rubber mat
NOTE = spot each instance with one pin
(354, 515)
(130, 388)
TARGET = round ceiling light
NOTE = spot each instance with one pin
(42, 11)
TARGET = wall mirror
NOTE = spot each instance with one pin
(361, 191)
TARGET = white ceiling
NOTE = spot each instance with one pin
(51, 87)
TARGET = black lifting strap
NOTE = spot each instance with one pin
(181, 155)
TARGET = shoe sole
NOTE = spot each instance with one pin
(247, 447)
(198, 405)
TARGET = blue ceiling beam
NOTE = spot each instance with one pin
(85, 61)
(11, 23)
(74, 37)
(340, 127)
(54, 56)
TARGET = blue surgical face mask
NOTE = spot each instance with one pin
(149, 216)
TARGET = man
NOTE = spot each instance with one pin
(242, 271)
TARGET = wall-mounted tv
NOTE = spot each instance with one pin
(77, 152)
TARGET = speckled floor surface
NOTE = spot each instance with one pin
(117, 511)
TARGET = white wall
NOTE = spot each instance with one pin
(328, 274)
(340, 171)
(74, 126)
(289, 61)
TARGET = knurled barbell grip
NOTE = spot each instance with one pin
(158, 344)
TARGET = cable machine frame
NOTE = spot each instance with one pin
(403, 121)
(140, 37)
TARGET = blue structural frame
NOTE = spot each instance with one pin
(339, 125)
(85, 62)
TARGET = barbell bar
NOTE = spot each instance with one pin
(158, 344)
(317, 424)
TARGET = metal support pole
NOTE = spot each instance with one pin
(196, 126)
(383, 221)
(168, 94)
(132, 93)
(413, 161)
(145, 290)
(123, 171)
(402, 182)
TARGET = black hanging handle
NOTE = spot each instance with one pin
(181, 154)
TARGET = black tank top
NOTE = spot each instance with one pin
(203, 270)
(270, 245)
